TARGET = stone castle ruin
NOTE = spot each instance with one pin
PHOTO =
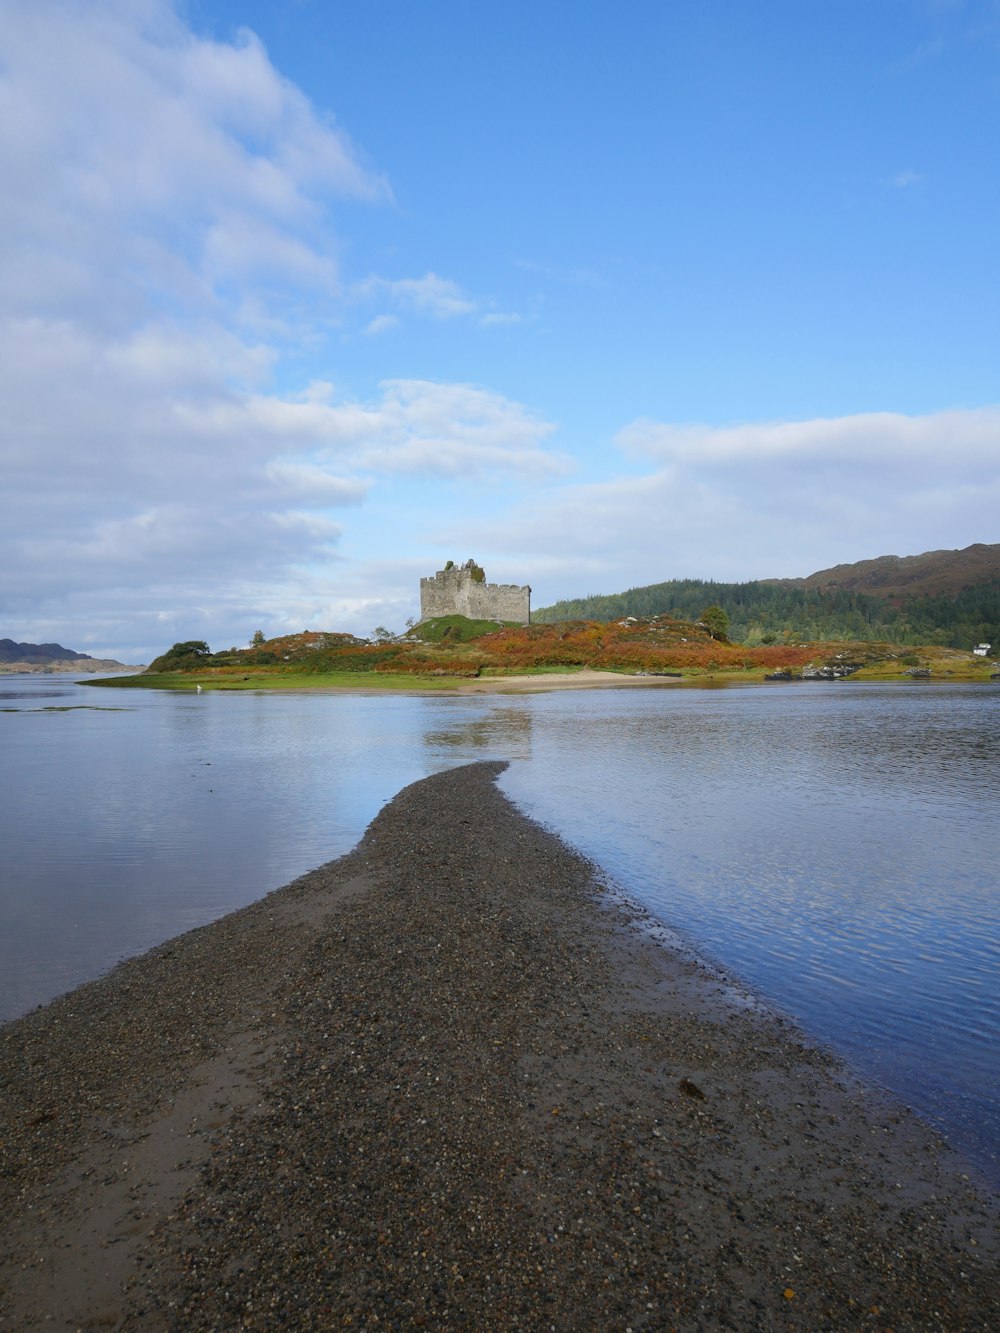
(463, 591)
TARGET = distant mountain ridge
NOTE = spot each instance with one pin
(39, 652)
(898, 577)
(53, 658)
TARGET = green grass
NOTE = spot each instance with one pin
(173, 681)
(454, 629)
(285, 680)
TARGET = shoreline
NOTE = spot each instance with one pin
(445, 1080)
(587, 678)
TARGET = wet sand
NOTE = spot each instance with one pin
(447, 1082)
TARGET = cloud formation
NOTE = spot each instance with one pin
(873, 439)
(168, 233)
(431, 295)
(175, 270)
(134, 462)
(903, 180)
(759, 500)
(155, 171)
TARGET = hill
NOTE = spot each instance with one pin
(948, 598)
(933, 574)
(38, 653)
(52, 658)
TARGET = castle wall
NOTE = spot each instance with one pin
(454, 592)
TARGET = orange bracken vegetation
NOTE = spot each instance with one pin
(660, 644)
(412, 662)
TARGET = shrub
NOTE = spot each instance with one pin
(182, 657)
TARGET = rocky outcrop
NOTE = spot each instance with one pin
(830, 670)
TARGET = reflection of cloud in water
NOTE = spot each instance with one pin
(504, 731)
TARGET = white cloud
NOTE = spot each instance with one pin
(902, 180)
(165, 230)
(136, 479)
(416, 427)
(498, 318)
(759, 500)
(429, 297)
(308, 485)
(571, 277)
(382, 324)
(146, 168)
(241, 248)
(432, 296)
(165, 239)
(452, 430)
(872, 439)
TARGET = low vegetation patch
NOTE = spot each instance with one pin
(451, 629)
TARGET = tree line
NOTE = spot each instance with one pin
(763, 613)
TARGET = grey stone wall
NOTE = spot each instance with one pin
(454, 592)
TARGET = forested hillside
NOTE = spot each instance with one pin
(765, 612)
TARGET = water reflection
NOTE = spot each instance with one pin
(502, 730)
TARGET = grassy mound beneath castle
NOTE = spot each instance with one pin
(441, 653)
(453, 629)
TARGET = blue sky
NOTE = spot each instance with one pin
(300, 299)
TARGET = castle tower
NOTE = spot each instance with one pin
(463, 591)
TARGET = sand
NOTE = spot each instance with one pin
(448, 1081)
(585, 679)
(536, 683)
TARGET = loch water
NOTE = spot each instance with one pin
(835, 846)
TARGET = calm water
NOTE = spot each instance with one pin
(835, 846)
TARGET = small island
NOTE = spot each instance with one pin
(458, 654)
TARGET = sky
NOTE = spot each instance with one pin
(300, 299)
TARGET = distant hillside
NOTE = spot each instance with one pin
(48, 658)
(38, 652)
(950, 598)
(933, 574)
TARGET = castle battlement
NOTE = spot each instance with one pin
(462, 590)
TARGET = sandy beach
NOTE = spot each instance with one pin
(586, 679)
(538, 682)
(448, 1081)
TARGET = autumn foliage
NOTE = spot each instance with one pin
(658, 645)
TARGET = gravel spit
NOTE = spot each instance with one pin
(446, 1082)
